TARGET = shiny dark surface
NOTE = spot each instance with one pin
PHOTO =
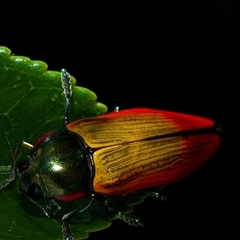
(59, 166)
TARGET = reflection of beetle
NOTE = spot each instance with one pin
(113, 154)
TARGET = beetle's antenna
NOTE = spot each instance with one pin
(12, 174)
(67, 90)
(9, 145)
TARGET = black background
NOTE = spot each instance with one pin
(176, 55)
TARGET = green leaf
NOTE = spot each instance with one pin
(31, 104)
(32, 101)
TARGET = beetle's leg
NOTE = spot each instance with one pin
(131, 220)
(66, 227)
(38, 205)
(154, 194)
(116, 109)
(103, 200)
(67, 90)
(11, 178)
(158, 195)
(14, 154)
(12, 174)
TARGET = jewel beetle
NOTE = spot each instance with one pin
(113, 154)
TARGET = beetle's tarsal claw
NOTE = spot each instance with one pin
(158, 195)
(155, 195)
(67, 231)
(131, 220)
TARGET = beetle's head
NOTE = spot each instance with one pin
(30, 184)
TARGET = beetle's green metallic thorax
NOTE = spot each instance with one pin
(59, 165)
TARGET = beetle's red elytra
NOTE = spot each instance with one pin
(141, 148)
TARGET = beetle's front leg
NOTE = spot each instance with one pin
(66, 227)
(11, 178)
(12, 175)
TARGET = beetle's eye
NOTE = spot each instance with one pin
(24, 166)
(35, 192)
